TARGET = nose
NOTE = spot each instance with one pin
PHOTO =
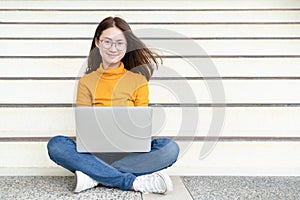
(113, 48)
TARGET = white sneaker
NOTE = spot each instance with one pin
(83, 182)
(157, 182)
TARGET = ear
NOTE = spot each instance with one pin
(97, 42)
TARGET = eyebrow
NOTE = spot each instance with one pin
(112, 39)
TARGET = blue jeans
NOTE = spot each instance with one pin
(120, 173)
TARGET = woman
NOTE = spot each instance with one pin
(119, 66)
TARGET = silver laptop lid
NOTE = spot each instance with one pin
(113, 129)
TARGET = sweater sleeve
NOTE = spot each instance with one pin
(142, 95)
(84, 97)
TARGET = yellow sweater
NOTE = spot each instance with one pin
(115, 87)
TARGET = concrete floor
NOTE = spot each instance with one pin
(260, 188)
(208, 188)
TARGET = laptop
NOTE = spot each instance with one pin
(113, 129)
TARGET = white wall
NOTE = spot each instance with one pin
(253, 46)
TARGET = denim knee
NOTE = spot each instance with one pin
(55, 145)
(169, 146)
(55, 142)
(173, 149)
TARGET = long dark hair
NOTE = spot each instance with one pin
(138, 58)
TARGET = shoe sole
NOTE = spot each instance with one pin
(75, 190)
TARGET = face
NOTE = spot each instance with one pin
(112, 46)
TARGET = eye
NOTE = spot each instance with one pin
(107, 42)
(120, 44)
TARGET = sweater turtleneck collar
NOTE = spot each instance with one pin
(111, 73)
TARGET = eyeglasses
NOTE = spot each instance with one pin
(107, 44)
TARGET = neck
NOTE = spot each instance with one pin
(108, 66)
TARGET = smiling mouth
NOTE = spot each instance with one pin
(112, 55)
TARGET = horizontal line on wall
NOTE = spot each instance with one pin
(42, 57)
(178, 138)
(224, 78)
(39, 78)
(149, 23)
(159, 78)
(65, 105)
(235, 139)
(231, 56)
(225, 105)
(153, 38)
(36, 105)
(167, 56)
(150, 9)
